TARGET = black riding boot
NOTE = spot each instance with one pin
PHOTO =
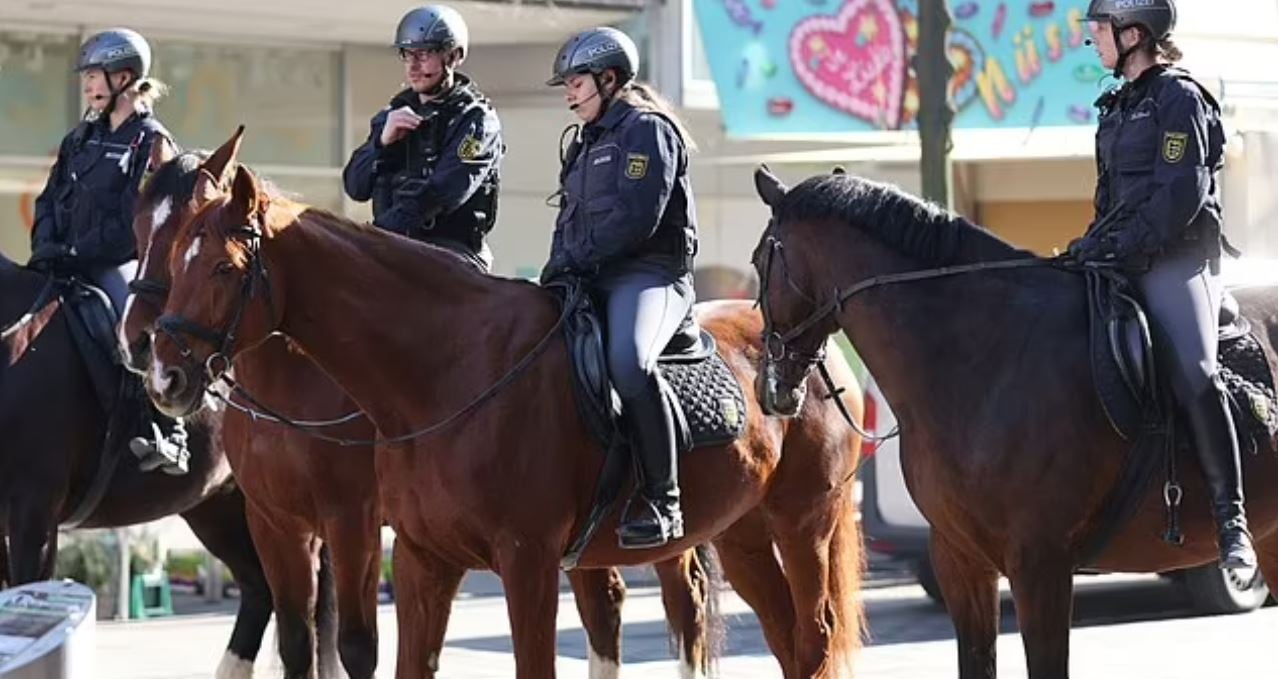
(166, 449)
(657, 518)
(1211, 425)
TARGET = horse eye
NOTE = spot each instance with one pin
(223, 268)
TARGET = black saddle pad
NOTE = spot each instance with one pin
(706, 401)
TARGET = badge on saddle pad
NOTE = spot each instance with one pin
(1174, 144)
(470, 148)
(637, 165)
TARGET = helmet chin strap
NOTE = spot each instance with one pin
(1123, 54)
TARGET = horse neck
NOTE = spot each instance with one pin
(917, 335)
(383, 317)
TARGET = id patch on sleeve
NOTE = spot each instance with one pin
(636, 165)
(469, 148)
(1174, 144)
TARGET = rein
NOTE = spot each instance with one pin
(217, 365)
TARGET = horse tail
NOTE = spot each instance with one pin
(326, 631)
(715, 630)
(846, 567)
(847, 547)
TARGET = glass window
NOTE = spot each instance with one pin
(36, 90)
(287, 98)
(698, 65)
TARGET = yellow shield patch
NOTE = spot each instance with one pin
(1174, 144)
(636, 165)
(470, 148)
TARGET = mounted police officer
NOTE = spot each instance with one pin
(84, 216)
(1159, 151)
(430, 164)
(627, 228)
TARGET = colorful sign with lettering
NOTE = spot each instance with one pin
(806, 66)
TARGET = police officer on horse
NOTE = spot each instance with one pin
(84, 216)
(430, 164)
(627, 228)
(1159, 151)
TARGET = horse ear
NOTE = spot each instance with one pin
(839, 169)
(770, 189)
(207, 187)
(246, 192)
(225, 157)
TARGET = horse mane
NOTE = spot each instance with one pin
(913, 227)
(175, 179)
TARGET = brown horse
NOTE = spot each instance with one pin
(412, 334)
(302, 488)
(299, 489)
(1004, 445)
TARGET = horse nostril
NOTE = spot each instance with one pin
(176, 380)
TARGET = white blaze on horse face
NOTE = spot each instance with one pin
(601, 667)
(159, 378)
(191, 253)
(158, 217)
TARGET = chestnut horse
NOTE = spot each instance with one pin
(302, 488)
(501, 480)
(1004, 444)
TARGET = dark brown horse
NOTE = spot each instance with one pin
(1004, 444)
(413, 335)
(301, 488)
(52, 429)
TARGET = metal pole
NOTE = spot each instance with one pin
(122, 597)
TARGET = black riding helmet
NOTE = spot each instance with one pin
(1156, 17)
(115, 50)
(594, 51)
(433, 27)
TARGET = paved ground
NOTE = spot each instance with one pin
(1125, 627)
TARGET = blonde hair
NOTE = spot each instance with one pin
(146, 92)
(644, 97)
(1165, 48)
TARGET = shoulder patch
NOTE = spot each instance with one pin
(1174, 144)
(636, 165)
(469, 148)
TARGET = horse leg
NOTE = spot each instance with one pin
(600, 594)
(969, 585)
(290, 557)
(34, 542)
(821, 549)
(221, 524)
(324, 619)
(750, 565)
(685, 594)
(1043, 587)
(530, 574)
(425, 587)
(355, 546)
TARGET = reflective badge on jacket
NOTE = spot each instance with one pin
(636, 165)
(1174, 146)
(470, 148)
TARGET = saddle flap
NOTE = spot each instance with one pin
(92, 322)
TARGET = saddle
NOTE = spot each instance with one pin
(703, 396)
(1124, 372)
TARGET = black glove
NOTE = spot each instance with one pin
(556, 271)
(51, 257)
(1088, 249)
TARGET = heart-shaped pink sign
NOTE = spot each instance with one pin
(854, 60)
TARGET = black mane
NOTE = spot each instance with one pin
(915, 228)
(174, 180)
